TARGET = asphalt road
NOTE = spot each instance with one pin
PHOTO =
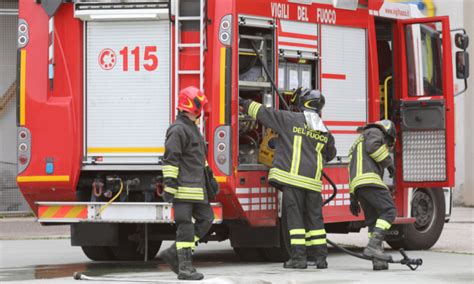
(54, 260)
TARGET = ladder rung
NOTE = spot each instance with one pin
(189, 72)
(189, 18)
(189, 45)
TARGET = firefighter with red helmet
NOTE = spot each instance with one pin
(369, 156)
(304, 145)
(184, 172)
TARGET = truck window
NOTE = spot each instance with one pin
(424, 59)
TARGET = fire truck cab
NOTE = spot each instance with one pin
(98, 85)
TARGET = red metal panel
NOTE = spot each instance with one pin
(338, 209)
(314, 13)
(334, 76)
(54, 117)
(404, 220)
(261, 199)
(373, 73)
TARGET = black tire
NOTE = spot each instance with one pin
(131, 252)
(276, 254)
(248, 254)
(282, 253)
(130, 248)
(429, 209)
(98, 253)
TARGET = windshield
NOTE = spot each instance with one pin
(424, 59)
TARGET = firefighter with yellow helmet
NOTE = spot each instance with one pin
(369, 156)
(304, 145)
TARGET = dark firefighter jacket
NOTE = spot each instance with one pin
(368, 156)
(185, 161)
(301, 151)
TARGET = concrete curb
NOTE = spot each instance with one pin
(16, 214)
(16, 238)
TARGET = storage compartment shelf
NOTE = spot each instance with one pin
(254, 84)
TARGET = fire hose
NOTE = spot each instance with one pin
(412, 263)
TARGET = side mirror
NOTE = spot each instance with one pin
(461, 41)
(462, 65)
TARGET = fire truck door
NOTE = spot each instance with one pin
(426, 103)
(127, 91)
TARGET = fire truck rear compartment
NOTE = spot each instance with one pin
(256, 143)
(127, 97)
(254, 84)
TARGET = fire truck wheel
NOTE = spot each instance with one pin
(98, 253)
(275, 254)
(131, 244)
(249, 254)
(131, 252)
(428, 207)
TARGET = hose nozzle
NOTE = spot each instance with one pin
(412, 263)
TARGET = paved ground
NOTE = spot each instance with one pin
(457, 235)
(26, 260)
(54, 261)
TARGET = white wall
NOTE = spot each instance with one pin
(467, 190)
(8, 26)
(460, 13)
(10, 197)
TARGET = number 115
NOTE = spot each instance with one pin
(149, 56)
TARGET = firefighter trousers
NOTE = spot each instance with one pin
(305, 220)
(379, 208)
(188, 233)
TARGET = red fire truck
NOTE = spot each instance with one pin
(97, 89)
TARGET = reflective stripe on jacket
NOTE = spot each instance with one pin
(301, 151)
(368, 157)
(184, 161)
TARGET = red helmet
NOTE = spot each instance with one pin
(191, 100)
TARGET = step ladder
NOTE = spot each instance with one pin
(179, 46)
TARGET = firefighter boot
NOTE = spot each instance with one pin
(297, 258)
(379, 264)
(316, 256)
(374, 248)
(311, 256)
(170, 256)
(185, 266)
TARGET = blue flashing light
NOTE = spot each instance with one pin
(49, 168)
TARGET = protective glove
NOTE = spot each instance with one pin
(354, 207)
(241, 101)
(213, 186)
(168, 197)
(391, 171)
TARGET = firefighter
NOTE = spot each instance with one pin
(184, 172)
(369, 155)
(304, 144)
